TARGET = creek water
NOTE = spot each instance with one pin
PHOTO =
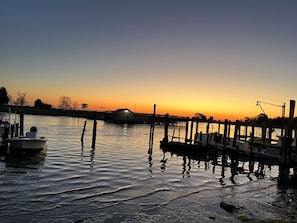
(119, 181)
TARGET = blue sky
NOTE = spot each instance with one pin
(213, 57)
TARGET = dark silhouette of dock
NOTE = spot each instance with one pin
(110, 116)
(242, 143)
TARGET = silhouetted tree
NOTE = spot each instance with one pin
(200, 116)
(4, 99)
(21, 99)
(84, 106)
(74, 105)
(65, 102)
(39, 104)
(262, 118)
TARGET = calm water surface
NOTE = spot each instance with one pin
(119, 181)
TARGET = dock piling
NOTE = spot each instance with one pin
(191, 131)
(152, 129)
(21, 123)
(285, 159)
(187, 130)
(94, 131)
(83, 133)
(166, 125)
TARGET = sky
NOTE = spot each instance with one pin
(213, 57)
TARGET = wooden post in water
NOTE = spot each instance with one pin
(187, 129)
(22, 124)
(224, 148)
(228, 130)
(285, 159)
(235, 133)
(270, 130)
(16, 129)
(83, 133)
(196, 131)
(191, 132)
(263, 137)
(12, 130)
(94, 131)
(295, 157)
(239, 130)
(252, 136)
(166, 124)
(219, 126)
(245, 132)
(225, 133)
(264, 129)
(207, 131)
(152, 129)
(197, 125)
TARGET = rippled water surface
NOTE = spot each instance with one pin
(119, 181)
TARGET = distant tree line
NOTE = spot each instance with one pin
(21, 99)
(65, 102)
(5, 98)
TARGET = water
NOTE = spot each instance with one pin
(119, 181)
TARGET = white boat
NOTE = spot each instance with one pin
(30, 142)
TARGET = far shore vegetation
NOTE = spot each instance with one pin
(71, 108)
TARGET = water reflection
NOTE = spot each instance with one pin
(186, 167)
(163, 163)
(25, 160)
(287, 197)
(229, 167)
(90, 156)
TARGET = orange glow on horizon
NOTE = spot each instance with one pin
(148, 109)
(218, 109)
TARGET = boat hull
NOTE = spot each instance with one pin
(30, 144)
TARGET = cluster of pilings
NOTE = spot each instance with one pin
(9, 130)
(93, 134)
(287, 158)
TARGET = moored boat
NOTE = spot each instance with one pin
(31, 142)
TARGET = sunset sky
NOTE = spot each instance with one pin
(217, 58)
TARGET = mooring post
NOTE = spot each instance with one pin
(224, 148)
(187, 129)
(285, 159)
(263, 137)
(16, 129)
(191, 132)
(225, 133)
(207, 133)
(83, 133)
(229, 129)
(152, 129)
(235, 134)
(94, 131)
(219, 127)
(264, 129)
(12, 130)
(166, 124)
(270, 130)
(197, 125)
(245, 132)
(295, 157)
(239, 130)
(252, 136)
(22, 123)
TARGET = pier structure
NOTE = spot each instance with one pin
(237, 140)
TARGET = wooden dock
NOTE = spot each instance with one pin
(237, 139)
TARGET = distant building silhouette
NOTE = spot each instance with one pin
(123, 115)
